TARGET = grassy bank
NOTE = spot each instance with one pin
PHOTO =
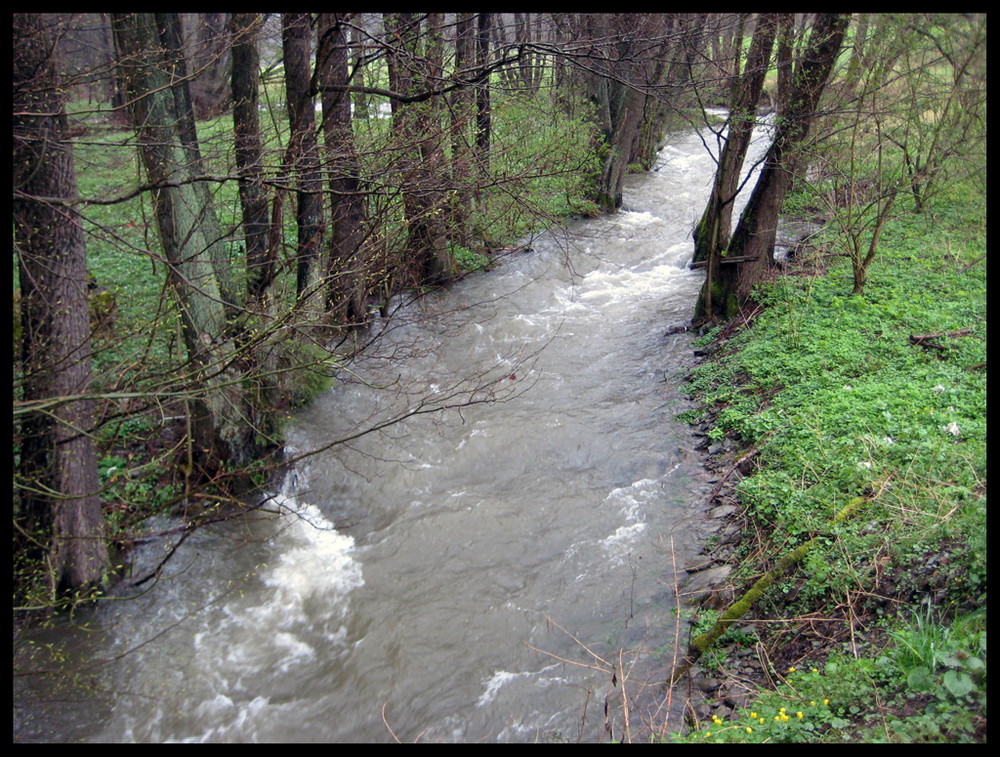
(877, 632)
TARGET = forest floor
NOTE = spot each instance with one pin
(848, 513)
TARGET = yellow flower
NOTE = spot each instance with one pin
(826, 701)
(791, 669)
(799, 714)
(753, 715)
(749, 729)
(762, 721)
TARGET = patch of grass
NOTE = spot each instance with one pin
(808, 705)
(850, 699)
(469, 261)
(841, 403)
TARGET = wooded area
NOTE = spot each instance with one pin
(288, 179)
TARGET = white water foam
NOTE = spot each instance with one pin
(632, 501)
(244, 657)
(501, 677)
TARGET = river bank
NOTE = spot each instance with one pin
(816, 401)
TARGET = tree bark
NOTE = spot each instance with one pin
(348, 264)
(59, 516)
(712, 233)
(359, 98)
(755, 234)
(171, 37)
(620, 68)
(185, 217)
(785, 62)
(461, 109)
(711, 236)
(483, 119)
(418, 134)
(296, 33)
(260, 263)
(211, 62)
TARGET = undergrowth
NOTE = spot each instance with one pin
(841, 399)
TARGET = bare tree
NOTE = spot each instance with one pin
(945, 80)
(753, 240)
(348, 264)
(189, 236)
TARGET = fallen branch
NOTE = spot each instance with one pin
(723, 261)
(923, 340)
(701, 643)
(966, 268)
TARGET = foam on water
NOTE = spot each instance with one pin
(240, 657)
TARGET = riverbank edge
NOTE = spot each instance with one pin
(740, 672)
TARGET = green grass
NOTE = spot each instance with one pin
(928, 686)
(840, 403)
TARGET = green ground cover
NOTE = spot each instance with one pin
(840, 402)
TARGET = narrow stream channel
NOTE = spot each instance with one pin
(495, 571)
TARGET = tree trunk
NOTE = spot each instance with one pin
(785, 62)
(260, 264)
(712, 233)
(171, 37)
(528, 66)
(59, 516)
(210, 61)
(617, 76)
(303, 147)
(857, 60)
(347, 271)
(483, 126)
(711, 236)
(461, 110)
(755, 234)
(187, 226)
(359, 99)
(418, 135)
(670, 92)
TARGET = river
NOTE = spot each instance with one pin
(497, 570)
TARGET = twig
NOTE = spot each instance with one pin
(626, 733)
(718, 487)
(388, 727)
(607, 665)
(703, 642)
(966, 268)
